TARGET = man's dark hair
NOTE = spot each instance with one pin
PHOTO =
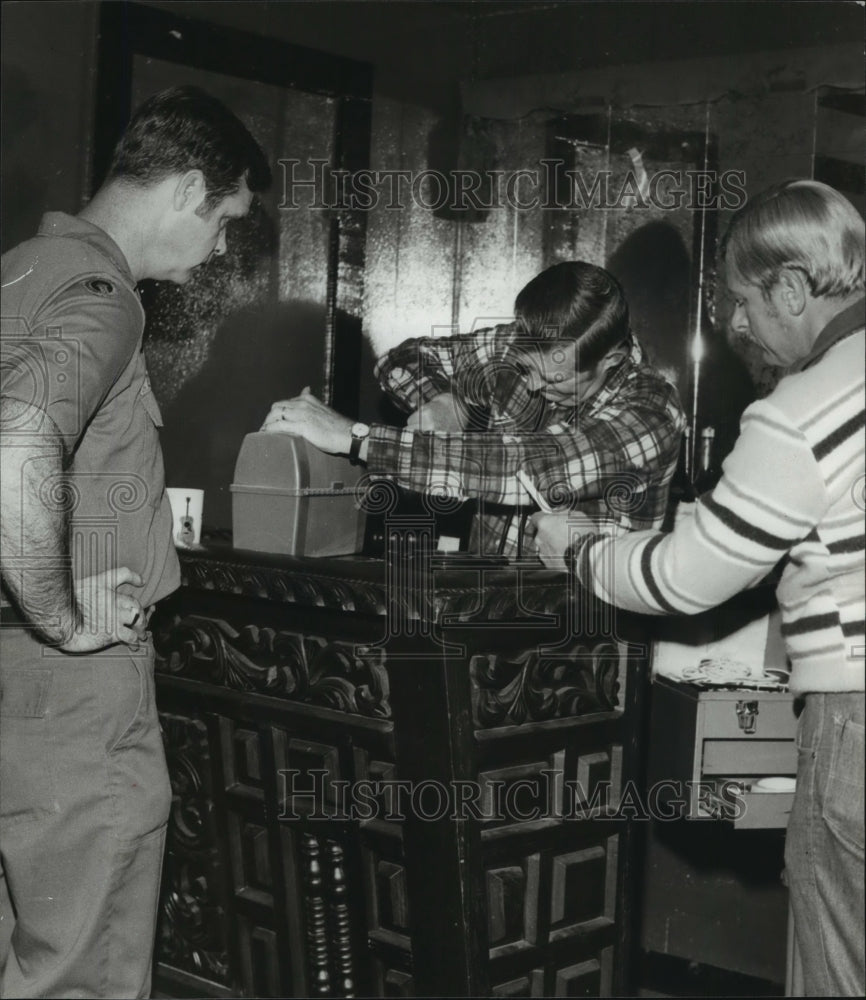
(575, 301)
(183, 129)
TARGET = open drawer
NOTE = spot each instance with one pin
(744, 803)
(712, 751)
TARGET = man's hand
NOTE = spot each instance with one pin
(438, 414)
(555, 533)
(309, 418)
(107, 617)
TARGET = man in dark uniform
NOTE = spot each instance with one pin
(87, 549)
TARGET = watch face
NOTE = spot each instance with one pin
(360, 430)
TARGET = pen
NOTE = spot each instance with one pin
(530, 488)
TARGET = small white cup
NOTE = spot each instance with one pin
(186, 507)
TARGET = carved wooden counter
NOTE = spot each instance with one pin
(394, 779)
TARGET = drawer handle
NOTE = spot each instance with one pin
(747, 714)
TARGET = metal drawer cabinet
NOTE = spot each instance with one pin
(712, 751)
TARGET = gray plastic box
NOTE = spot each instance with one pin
(290, 498)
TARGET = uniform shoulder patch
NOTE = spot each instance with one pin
(99, 286)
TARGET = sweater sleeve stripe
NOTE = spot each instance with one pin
(811, 623)
(852, 401)
(769, 425)
(686, 601)
(772, 509)
(634, 572)
(854, 544)
(734, 554)
(742, 527)
(649, 579)
(814, 653)
(840, 435)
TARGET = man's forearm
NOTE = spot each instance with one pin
(34, 521)
(412, 370)
(417, 370)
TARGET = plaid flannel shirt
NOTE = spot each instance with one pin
(612, 455)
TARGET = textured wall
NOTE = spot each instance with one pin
(47, 112)
(426, 272)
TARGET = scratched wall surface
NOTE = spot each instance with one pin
(501, 251)
(425, 273)
(409, 279)
(249, 328)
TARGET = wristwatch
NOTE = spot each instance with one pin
(360, 433)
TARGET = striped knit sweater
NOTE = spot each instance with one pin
(792, 489)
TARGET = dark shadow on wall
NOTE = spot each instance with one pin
(655, 270)
(259, 355)
(23, 132)
(375, 406)
(220, 351)
(726, 389)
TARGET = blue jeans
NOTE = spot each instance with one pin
(824, 845)
(83, 811)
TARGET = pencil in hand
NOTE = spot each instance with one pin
(531, 489)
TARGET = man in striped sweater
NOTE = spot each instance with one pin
(792, 489)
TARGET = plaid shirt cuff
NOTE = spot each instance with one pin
(389, 450)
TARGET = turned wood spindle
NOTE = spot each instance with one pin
(317, 931)
(338, 921)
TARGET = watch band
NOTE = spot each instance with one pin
(360, 433)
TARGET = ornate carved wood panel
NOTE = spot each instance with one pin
(348, 809)
(192, 934)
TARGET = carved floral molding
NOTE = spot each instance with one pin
(531, 686)
(442, 594)
(289, 665)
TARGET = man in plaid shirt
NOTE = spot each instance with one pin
(563, 393)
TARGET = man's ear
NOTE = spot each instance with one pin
(792, 290)
(614, 358)
(190, 191)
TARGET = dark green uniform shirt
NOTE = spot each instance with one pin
(72, 328)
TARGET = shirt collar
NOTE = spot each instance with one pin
(71, 227)
(847, 321)
(635, 359)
